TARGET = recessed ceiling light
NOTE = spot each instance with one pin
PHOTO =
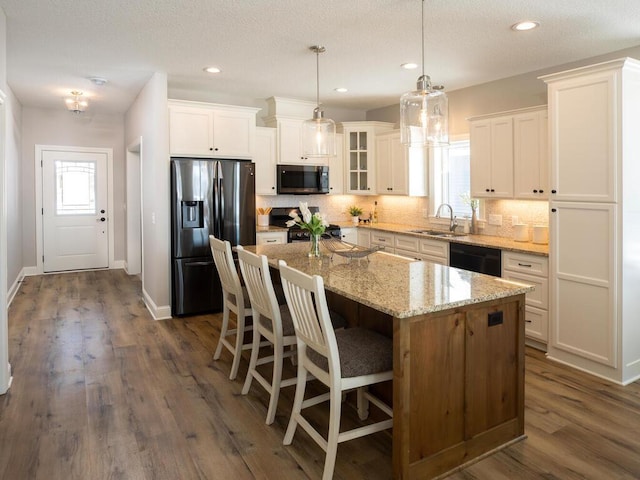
(526, 25)
(212, 69)
(341, 89)
(409, 66)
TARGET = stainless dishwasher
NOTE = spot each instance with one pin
(476, 258)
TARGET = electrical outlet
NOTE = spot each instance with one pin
(495, 220)
(515, 220)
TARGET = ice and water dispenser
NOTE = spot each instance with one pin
(192, 214)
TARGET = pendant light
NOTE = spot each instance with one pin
(424, 113)
(75, 103)
(318, 133)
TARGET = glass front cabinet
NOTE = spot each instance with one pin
(359, 155)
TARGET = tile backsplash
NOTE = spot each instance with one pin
(411, 210)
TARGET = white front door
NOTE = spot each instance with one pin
(75, 219)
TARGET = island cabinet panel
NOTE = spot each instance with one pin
(437, 367)
(491, 367)
(465, 369)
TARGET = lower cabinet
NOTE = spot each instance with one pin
(383, 239)
(533, 270)
(349, 235)
(364, 237)
(435, 251)
(264, 238)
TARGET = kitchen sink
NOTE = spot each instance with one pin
(438, 233)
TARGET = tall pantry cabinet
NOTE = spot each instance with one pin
(594, 219)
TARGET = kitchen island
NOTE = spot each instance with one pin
(458, 351)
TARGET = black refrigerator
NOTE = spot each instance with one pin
(208, 197)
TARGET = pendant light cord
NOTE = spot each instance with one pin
(318, 77)
(423, 38)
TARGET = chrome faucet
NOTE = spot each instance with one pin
(452, 224)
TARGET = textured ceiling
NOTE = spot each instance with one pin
(53, 46)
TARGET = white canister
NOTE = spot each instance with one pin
(521, 232)
(540, 234)
(263, 220)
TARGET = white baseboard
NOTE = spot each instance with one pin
(15, 287)
(117, 265)
(158, 313)
(31, 271)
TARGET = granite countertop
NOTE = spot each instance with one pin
(484, 240)
(391, 284)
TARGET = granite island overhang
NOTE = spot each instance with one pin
(458, 339)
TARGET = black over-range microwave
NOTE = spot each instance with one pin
(303, 179)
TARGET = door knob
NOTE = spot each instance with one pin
(101, 219)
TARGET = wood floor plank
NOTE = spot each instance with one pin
(102, 391)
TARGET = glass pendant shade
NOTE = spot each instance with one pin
(424, 116)
(319, 136)
(318, 133)
(424, 113)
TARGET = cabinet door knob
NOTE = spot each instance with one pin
(486, 190)
(553, 191)
(273, 188)
(492, 190)
(535, 191)
(553, 210)
(541, 191)
(211, 148)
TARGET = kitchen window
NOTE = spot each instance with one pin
(452, 177)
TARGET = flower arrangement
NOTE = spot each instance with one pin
(314, 223)
(354, 211)
(472, 202)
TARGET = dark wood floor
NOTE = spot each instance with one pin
(101, 391)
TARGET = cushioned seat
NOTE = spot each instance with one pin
(361, 351)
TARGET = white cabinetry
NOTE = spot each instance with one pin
(349, 235)
(336, 168)
(268, 238)
(384, 239)
(287, 116)
(532, 270)
(435, 251)
(400, 170)
(595, 219)
(265, 160)
(391, 165)
(509, 154)
(531, 159)
(359, 154)
(364, 237)
(491, 146)
(211, 130)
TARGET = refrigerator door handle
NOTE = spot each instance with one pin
(217, 231)
(220, 198)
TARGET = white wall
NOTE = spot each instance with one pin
(61, 127)
(13, 185)
(148, 118)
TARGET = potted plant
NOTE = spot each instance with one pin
(355, 213)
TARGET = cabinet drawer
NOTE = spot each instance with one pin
(522, 262)
(408, 254)
(435, 248)
(540, 296)
(382, 238)
(407, 243)
(536, 323)
(264, 238)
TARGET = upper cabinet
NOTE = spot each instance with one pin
(336, 168)
(211, 130)
(359, 155)
(531, 158)
(287, 116)
(265, 160)
(492, 157)
(400, 170)
(509, 154)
